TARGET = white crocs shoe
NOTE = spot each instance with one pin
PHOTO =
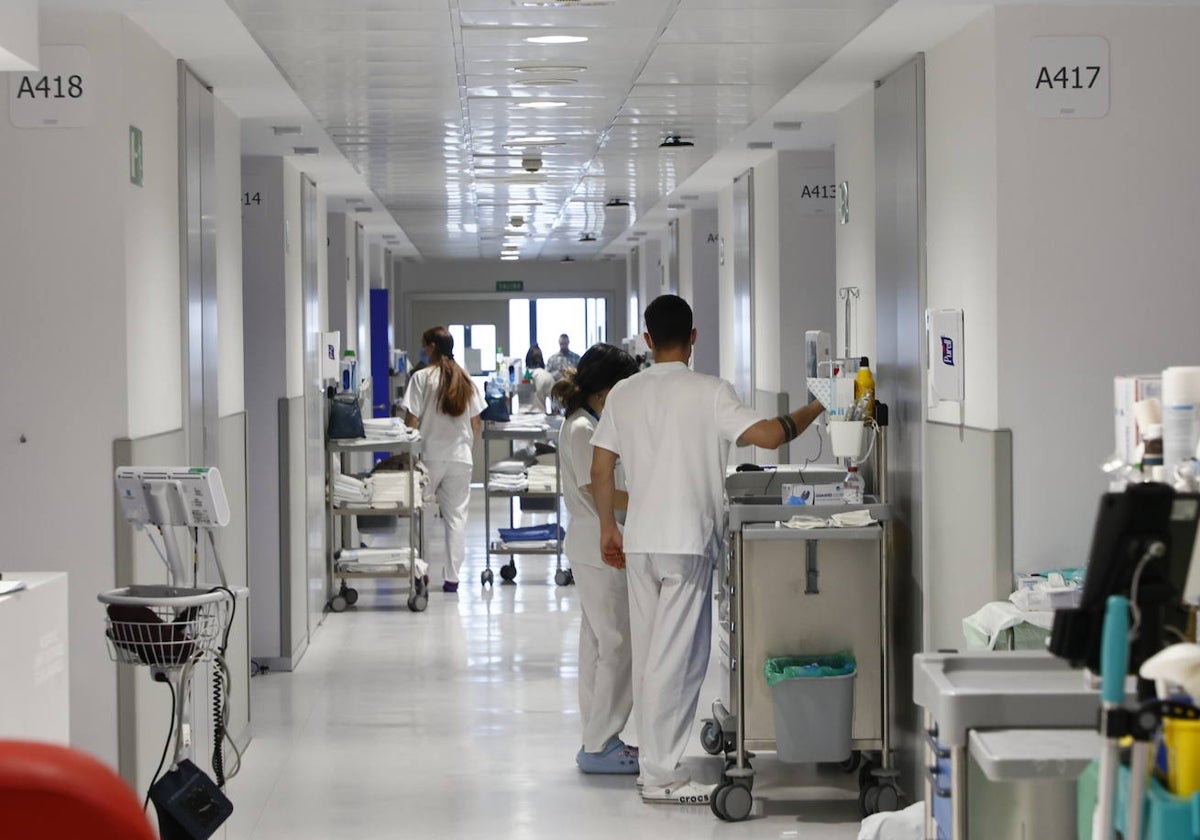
(684, 793)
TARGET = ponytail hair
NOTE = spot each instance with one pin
(600, 368)
(454, 389)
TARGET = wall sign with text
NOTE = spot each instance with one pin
(1068, 77)
(59, 95)
(817, 197)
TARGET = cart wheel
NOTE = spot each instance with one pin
(561, 578)
(351, 596)
(337, 603)
(851, 764)
(508, 573)
(711, 737)
(879, 798)
(486, 577)
(420, 586)
(732, 802)
(418, 602)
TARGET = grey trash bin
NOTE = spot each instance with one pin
(813, 698)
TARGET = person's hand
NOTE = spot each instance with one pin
(612, 547)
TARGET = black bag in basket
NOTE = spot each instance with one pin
(345, 418)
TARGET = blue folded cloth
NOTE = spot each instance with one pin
(533, 533)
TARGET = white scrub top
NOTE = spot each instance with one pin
(444, 438)
(583, 526)
(672, 428)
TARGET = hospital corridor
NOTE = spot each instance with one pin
(599, 419)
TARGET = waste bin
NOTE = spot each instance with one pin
(813, 698)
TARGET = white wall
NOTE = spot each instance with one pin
(725, 228)
(154, 342)
(231, 391)
(961, 220)
(1098, 263)
(854, 162)
(705, 291)
(293, 300)
(766, 232)
(19, 35)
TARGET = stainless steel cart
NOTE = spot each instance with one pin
(340, 530)
(785, 592)
(508, 571)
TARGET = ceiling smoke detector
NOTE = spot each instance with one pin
(587, 237)
(616, 202)
(674, 141)
(517, 221)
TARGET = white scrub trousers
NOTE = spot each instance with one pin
(605, 654)
(450, 483)
(670, 616)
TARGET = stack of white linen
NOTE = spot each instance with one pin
(542, 479)
(394, 488)
(348, 490)
(389, 428)
(507, 483)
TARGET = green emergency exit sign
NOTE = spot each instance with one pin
(510, 285)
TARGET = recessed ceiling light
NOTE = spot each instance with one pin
(285, 129)
(549, 68)
(543, 83)
(787, 125)
(531, 140)
(542, 103)
(760, 144)
(509, 259)
(306, 150)
(556, 39)
(676, 206)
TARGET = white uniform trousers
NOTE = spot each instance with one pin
(670, 616)
(450, 484)
(605, 654)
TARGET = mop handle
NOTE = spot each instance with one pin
(1114, 651)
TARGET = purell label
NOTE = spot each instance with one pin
(947, 351)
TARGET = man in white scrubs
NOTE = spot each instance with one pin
(672, 428)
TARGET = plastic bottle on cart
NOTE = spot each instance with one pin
(349, 370)
(864, 383)
(853, 487)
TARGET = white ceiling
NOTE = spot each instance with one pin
(422, 95)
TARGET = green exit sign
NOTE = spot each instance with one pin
(510, 285)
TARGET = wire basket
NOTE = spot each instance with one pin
(164, 626)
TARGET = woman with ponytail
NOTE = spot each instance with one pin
(444, 403)
(605, 655)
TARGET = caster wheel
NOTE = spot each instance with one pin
(508, 573)
(852, 763)
(420, 587)
(878, 798)
(351, 596)
(486, 578)
(712, 738)
(337, 604)
(732, 802)
(561, 578)
(418, 603)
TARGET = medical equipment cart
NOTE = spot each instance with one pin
(344, 561)
(792, 592)
(508, 572)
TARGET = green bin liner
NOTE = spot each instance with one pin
(780, 668)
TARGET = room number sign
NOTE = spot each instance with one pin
(1068, 77)
(59, 95)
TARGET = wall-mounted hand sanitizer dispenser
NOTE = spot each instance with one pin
(331, 354)
(817, 348)
(946, 379)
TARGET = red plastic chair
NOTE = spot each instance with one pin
(49, 792)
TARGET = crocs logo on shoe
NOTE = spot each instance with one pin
(694, 800)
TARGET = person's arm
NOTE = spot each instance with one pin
(411, 420)
(604, 491)
(774, 433)
(476, 425)
(620, 497)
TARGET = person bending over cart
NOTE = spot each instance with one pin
(605, 656)
(671, 428)
(444, 403)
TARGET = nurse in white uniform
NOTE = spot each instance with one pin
(445, 403)
(605, 657)
(672, 428)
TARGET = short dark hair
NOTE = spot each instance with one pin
(669, 321)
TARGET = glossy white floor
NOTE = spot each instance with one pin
(462, 721)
